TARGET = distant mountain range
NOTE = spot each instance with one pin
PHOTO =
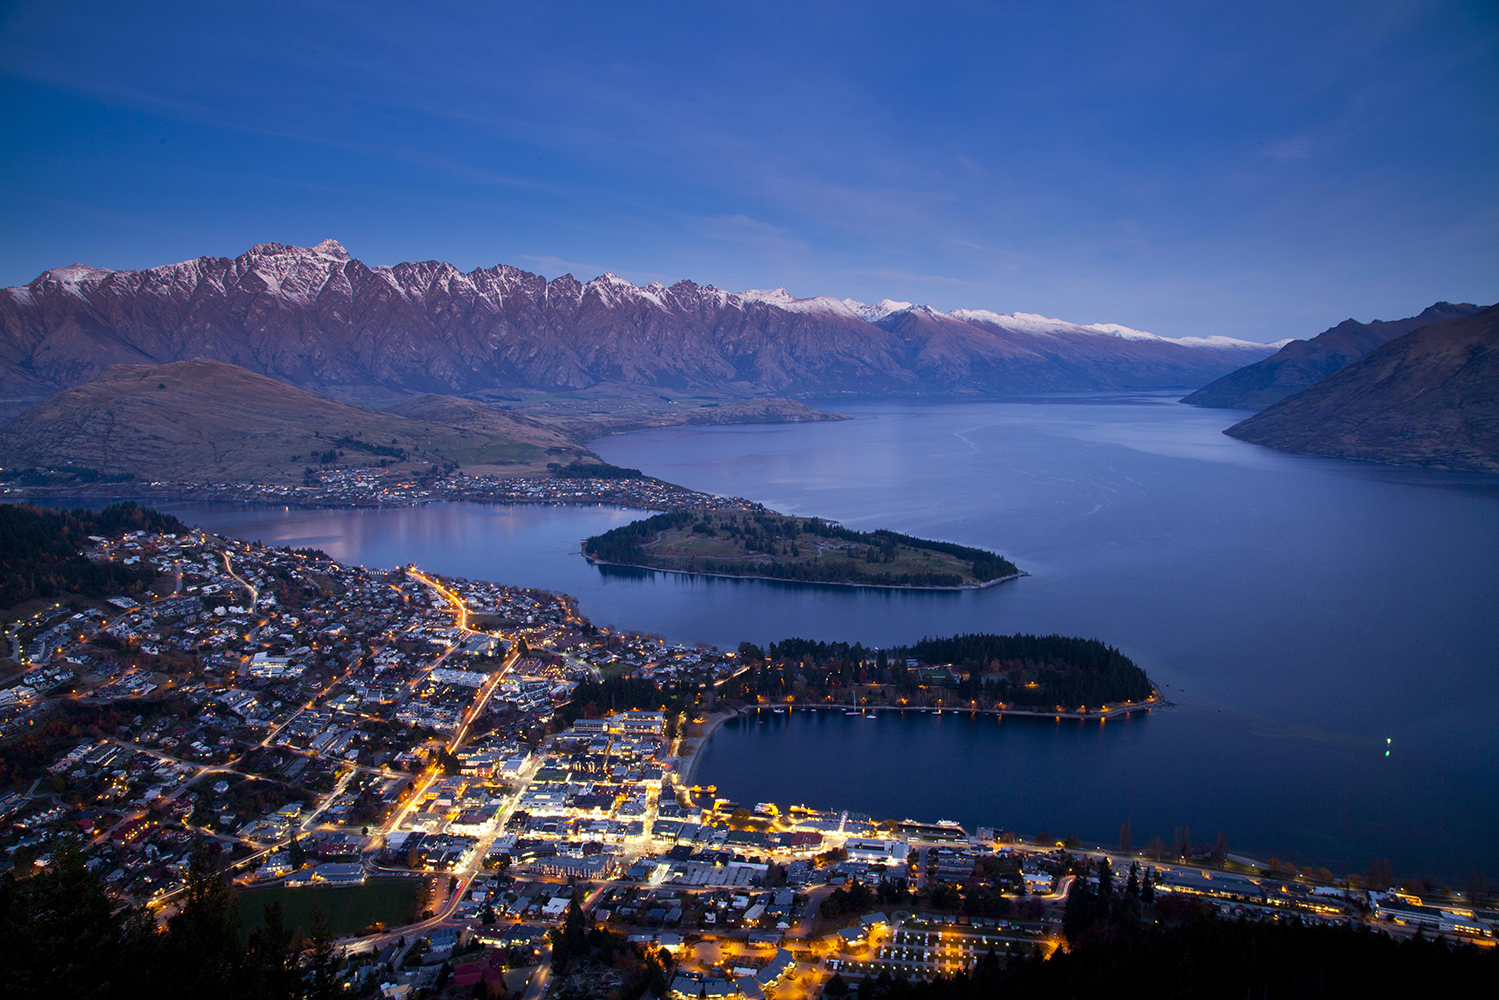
(321, 320)
(1303, 363)
(1429, 398)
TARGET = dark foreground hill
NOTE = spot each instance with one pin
(1429, 398)
(206, 421)
(1303, 363)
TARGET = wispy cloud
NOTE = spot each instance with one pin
(894, 274)
(97, 214)
(753, 234)
(1290, 149)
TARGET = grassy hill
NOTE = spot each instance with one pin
(207, 421)
(803, 549)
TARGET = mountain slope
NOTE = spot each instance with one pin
(455, 411)
(321, 320)
(580, 421)
(1428, 398)
(1303, 363)
(207, 421)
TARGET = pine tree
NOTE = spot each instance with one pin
(66, 940)
(1124, 837)
(1478, 889)
(574, 927)
(320, 965)
(1077, 913)
(271, 964)
(202, 941)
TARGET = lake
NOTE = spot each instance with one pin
(1300, 613)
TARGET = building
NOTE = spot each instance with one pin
(338, 873)
(638, 723)
(593, 866)
(885, 852)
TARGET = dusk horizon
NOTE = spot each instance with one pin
(749, 501)
(1176, 172)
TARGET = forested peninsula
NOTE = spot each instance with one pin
(1046, 673)
(774, 546)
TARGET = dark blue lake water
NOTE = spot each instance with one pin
(1300, 612)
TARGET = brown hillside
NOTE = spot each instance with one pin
(1304, 363)
(207, 421)
(1428, 398)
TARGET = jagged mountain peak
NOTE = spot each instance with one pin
(780, 298)
(332, 248)
(323, 320)
(75, 273)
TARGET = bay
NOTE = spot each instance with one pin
(1299, 613)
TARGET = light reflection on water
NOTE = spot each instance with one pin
(1298, 611)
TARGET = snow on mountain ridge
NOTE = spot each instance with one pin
(878, 311)
(300, 274)
(1037, 324)
(782, 299)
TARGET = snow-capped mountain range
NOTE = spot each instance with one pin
(322, 320)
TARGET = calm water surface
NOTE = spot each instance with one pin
(1300, 612)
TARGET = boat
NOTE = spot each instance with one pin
(779, 711)
(852, 712)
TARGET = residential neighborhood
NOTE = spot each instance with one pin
(454, 757)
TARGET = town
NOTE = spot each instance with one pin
(374, 486)
(454, 768)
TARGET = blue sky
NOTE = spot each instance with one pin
(1257, 170)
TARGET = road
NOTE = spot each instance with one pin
(254, 594)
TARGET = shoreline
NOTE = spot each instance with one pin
(810, 583)
(690, 759)
(1157, 701)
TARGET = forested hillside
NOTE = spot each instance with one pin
(979, 671)
(41, 551)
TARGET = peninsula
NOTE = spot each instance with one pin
(323, 734)
(766, 545)
(1020, 674)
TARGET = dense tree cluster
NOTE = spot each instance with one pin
(1210, 958)
(1120, 945)
(41, 551)
(388, 450)
(623, 544)
(979, 670)
(1065, 671)
(580, 470)
(67, 940)
(71, 475)
(574, 944)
